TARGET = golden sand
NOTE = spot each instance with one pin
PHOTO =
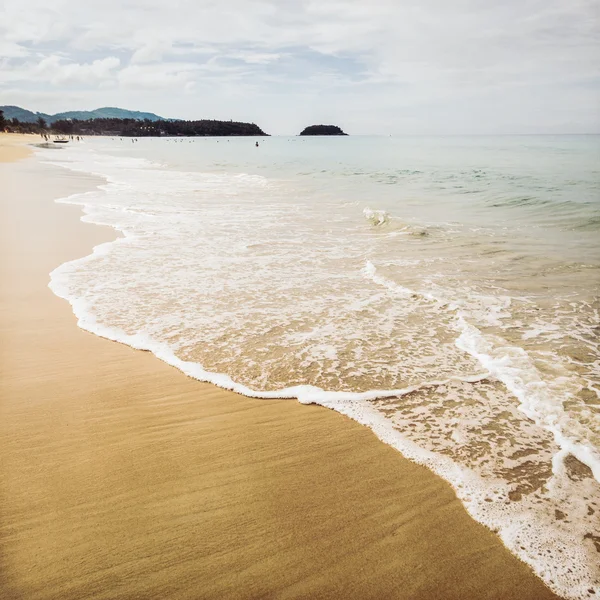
(121, 478)
(13, 146)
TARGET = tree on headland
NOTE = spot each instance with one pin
(2, 121)
(15, 126)
(64, 126)
(147, 128)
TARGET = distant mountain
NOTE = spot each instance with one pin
(22, 114)
(322, 130)
(107, 112)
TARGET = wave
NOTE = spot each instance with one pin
(522, 201)
(591, 223)
(382, 219)
(376, 217)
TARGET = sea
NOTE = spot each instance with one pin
(442, 291)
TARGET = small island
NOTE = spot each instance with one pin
(322, 130)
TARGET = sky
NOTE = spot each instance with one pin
(369, 66)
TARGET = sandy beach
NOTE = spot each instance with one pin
(122, 478)
(14, 146)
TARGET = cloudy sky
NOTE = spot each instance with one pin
(371, 66)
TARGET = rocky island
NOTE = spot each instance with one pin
(322, 130)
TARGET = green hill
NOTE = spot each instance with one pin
(22, 114)
(107, 112)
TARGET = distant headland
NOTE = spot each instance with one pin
(120, 123)
(322, 130)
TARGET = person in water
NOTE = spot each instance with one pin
(256, 144)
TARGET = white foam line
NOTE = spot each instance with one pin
(305, 394)
(522, 380)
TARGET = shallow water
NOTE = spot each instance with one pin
(443, 291)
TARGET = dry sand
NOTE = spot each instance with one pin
(13, 146)
(121, 478)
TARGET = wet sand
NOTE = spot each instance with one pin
(122, 478)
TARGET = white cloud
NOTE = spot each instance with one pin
(9, 49)
(157, 76)
(256, 58)
(60, 72)
(57, 71)
(152, 51)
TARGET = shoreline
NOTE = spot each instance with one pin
(123, 477)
